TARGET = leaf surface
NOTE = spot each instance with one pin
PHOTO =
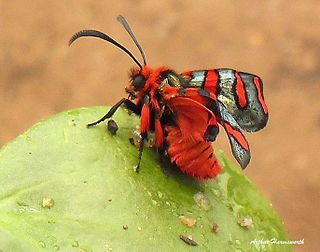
(102, 204)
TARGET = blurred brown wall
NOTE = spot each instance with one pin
(278, 40)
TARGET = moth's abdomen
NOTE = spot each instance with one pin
(196, 158)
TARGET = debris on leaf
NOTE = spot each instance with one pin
(215, 228)
(136, 137)
(20, 203)
(246, 222)
(125, 226)
(47, 202)
(75, 244)
(188, 240)
(112, 127)
(188, 221)
(108, 247)
(202, 201)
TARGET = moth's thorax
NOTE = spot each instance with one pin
(144, 81)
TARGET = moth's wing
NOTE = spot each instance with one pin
(191, 117)
(186, 144)
(239, 144)
(241, 93)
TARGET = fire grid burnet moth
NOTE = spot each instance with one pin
(185, 110)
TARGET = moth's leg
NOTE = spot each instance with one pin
(129, 104)
(141, 145)
(145, 126)
(145, 115)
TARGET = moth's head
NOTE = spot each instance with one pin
(138, 78)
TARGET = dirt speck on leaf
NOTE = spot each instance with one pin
(47, 202)
(202, 201)
(215, 228)
(188, 221)
(246, 222)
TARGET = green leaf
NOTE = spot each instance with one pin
(102, 204)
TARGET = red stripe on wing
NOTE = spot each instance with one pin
(240, 91)
(211, 82)
(260, 95)
(237, 135)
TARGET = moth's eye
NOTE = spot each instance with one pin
(138, 82)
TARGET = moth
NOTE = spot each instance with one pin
(185, 110)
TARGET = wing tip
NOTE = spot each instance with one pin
(244, 162)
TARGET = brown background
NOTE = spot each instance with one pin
(276, 39)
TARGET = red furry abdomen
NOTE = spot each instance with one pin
(194, 157)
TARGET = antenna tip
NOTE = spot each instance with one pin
(73, 38)
(121, 18)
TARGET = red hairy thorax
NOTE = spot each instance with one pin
(151, 76)
(145, 81)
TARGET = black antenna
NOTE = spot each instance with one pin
(126, 26)
(97, 34)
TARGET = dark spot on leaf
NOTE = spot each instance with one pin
(19, 203)
(215, 228)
